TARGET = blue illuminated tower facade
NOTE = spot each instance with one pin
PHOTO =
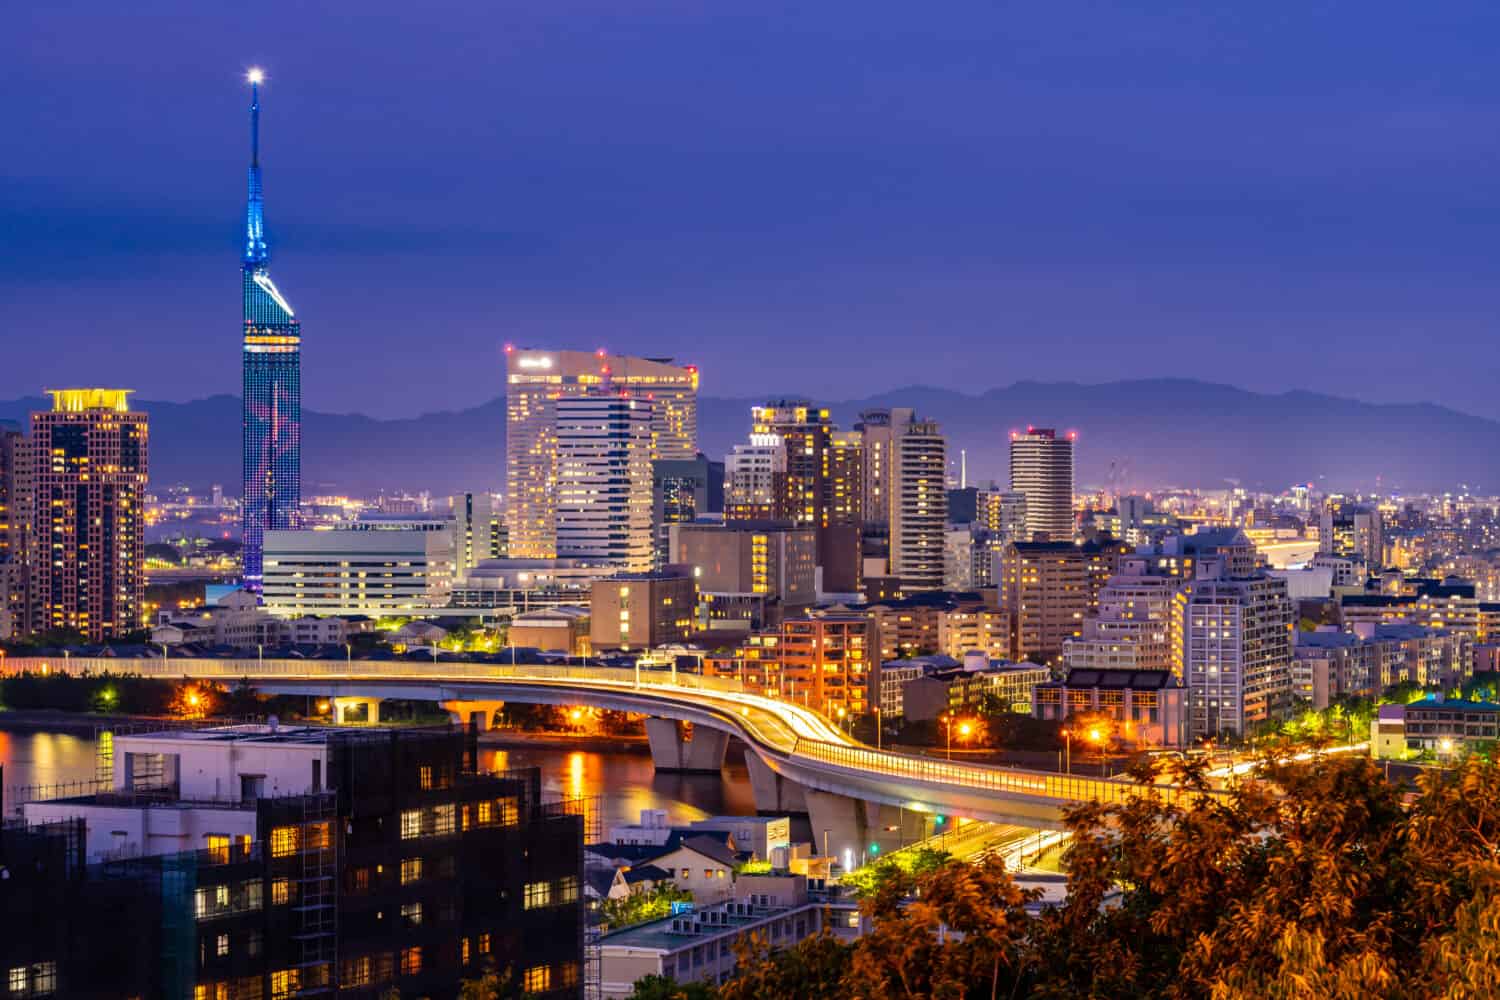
(273, 381)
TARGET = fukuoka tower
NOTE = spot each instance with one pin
(273, 380)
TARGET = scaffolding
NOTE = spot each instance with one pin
(316, 906)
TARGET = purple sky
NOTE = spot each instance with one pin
(828, 198)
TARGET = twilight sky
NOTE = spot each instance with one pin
(831, 198)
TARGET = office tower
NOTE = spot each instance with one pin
(1041, 469)
(1232, 646)
(272, 427)
(681, 491)
(535, 382)
(14, 518)
(1049, 588)
(878, 429)
(88, 480)
(474, 519)
(806, 432)
(603, 505)
(919, 506)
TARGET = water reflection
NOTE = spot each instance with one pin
(626, 783)
(45, 759)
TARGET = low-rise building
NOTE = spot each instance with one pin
(1329, 663)
(699, 946)
(970, 685)
(643, 610)
(1445, 728)
(367, 570)
(1148, 706)
(564, 628)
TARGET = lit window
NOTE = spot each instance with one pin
(411, 870)
(284, 983)
(411, 914)
(424, 776)
(411, 961)
(221, 945)
(283, 841)
(567, 889)
(538, 979)
(538, 894)
(445, 819)
(484, 944)
(411, 824)
(281, 891)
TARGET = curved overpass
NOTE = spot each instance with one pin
(797, 756)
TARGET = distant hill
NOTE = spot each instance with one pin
(1144, 433)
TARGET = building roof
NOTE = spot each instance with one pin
(636, 874)
(1136, 680)
(1450, 705)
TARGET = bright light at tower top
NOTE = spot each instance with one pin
(255, 75)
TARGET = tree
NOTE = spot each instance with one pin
(654, 987)
(816, 969)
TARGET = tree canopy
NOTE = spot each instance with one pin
(1318, 879)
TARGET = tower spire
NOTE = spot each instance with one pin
(256, 251)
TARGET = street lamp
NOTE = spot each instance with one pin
(877, 727)
(1067, 735)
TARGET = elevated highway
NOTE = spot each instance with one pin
(854, 795)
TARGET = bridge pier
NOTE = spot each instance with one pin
(846, 828)
(481, 713)
(671, 750)
(774, 795)
(356, 710)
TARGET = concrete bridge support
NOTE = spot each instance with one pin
(774, 795)
(356, 711)
(853, 831)
(673, 750)
(481, 713)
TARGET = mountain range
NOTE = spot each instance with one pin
(1136, 435)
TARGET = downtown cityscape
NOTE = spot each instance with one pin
(703, 666)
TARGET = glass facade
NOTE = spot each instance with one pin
(272, 386)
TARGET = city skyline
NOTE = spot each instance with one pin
(932, 189)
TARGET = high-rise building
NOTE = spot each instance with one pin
(1232, 646)
(878, 429)
(806, 432)
(603, 491)
(1000, 512)
(272, 426)
(1041, 469)
(535, 381)
(845, 479)
(755, 480)
(87, 486)
(754, 570)
(14, 534)
(919, 506)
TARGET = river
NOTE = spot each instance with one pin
(624, 783)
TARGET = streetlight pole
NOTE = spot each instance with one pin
(1067, 736)
(877, 727)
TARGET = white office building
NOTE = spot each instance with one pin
(370, 569)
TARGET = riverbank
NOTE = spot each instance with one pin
(55, 720)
